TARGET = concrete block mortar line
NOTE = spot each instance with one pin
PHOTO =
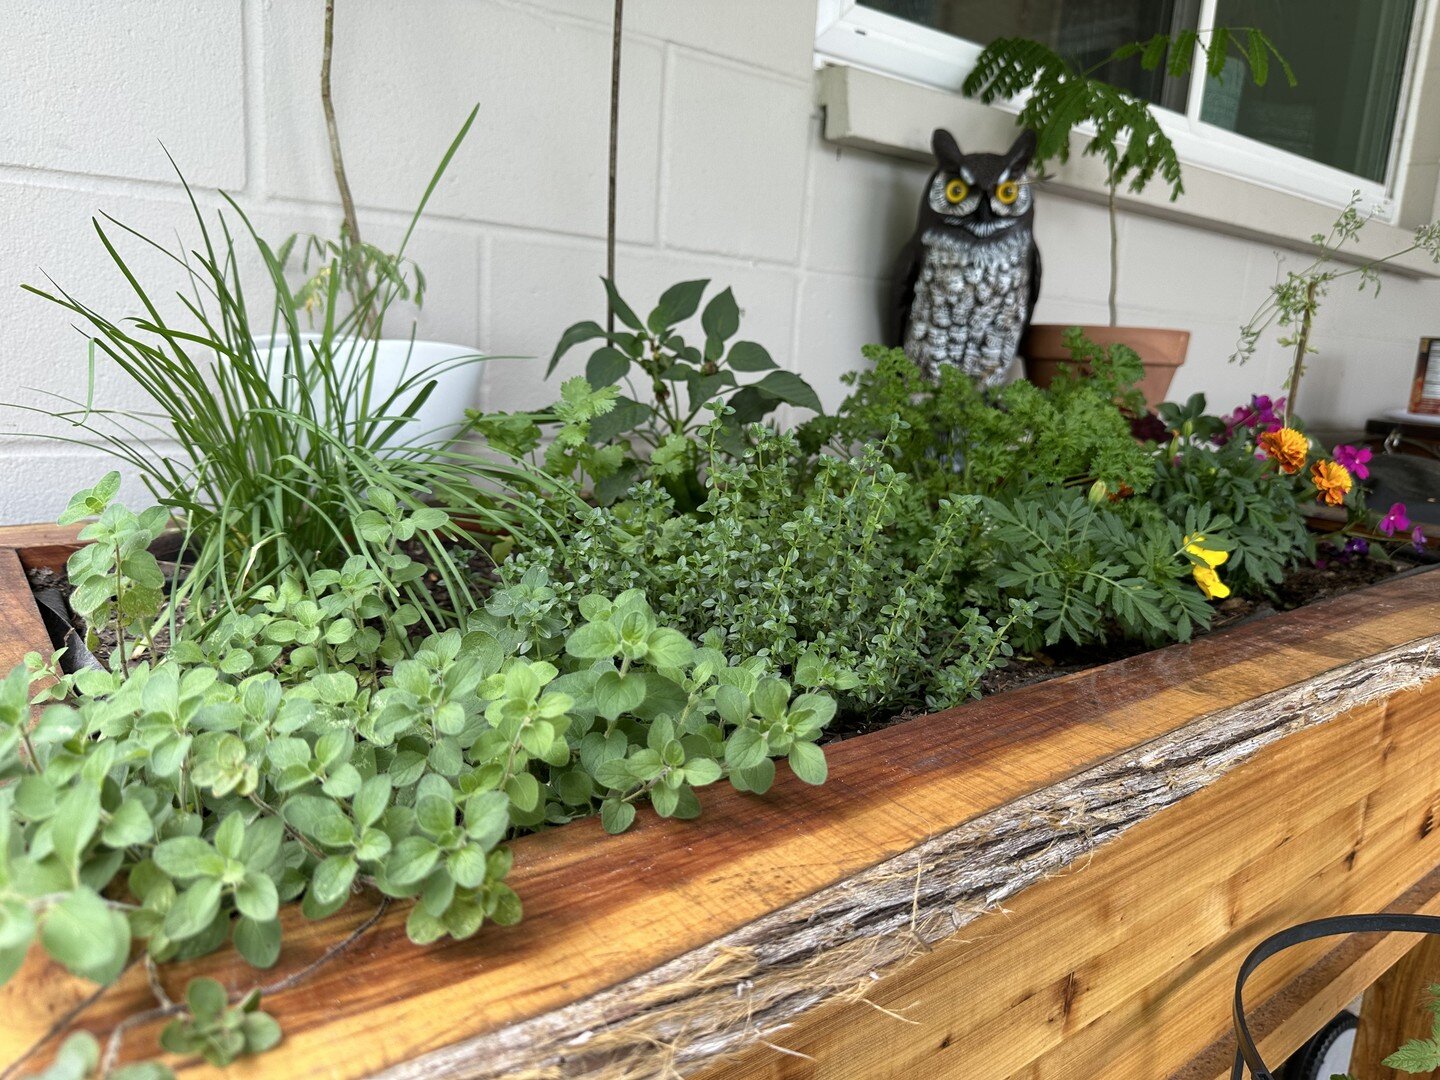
(740, 66)
(604, 17)
(483, 314)
(662, 162)
(100, 183)
(807, 217)
(253, 41)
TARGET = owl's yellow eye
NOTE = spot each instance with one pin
(1008, 192)
(956, 190)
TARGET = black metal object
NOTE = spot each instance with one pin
(1247, 1056)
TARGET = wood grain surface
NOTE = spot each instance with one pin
(1394, 1012)
(21, 628)
(38, 546)
(1123, 967)
(600, 911)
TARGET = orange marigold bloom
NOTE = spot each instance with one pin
(1287, 447)
(1332, 482)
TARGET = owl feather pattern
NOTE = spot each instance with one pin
(967, 281)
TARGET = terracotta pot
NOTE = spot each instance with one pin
(1161, 351)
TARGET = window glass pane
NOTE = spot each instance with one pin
(1349, 61)
(1083, 31)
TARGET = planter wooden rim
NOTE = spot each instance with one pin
(678, 943)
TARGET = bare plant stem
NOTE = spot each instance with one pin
(168, 1007)
(614, 158)
(357, 277)
(1302, 346)
(1114, 258)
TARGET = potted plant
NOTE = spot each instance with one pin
(1060, 96)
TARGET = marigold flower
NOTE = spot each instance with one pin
(1287, 447)
(1332, 482)
(1210, 583)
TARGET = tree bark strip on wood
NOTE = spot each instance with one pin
(774, 901)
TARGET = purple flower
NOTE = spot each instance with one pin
(1265, 410)
(1354, 459)
(1357, 545)
(1417, 537)
(1396, 520)
(1262, 414)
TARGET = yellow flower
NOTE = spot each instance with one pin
(1332, 482)
(1204, 571)
(1210, 583)
(1210, 558)
(1287, 447)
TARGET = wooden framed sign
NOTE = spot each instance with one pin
(1425, 387)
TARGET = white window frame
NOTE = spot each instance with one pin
(849, 33)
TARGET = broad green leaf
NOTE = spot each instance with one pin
(746, 748)
(333, 877)
(258, 942)
(256, 897)
(86, 936)
(622, 310)
(410, 860)
(721, 317)
(207, 998)
(807, 761)
(593, 641)
(371, 800)
(230, 835)
(789, 388)
(616, 694)
(74, 822)
(676, 304)
(748, 356)
(616, 816)
(194, 910)
(187, 857)
(487, 817)
(581, 331)
(129, 824)
(606, 367)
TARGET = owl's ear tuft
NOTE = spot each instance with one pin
(1017, 158)
(947, 150)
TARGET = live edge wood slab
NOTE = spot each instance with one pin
(1056, 881)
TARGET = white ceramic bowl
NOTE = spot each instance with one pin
(393, 361)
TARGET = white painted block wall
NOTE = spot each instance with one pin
(723, 175)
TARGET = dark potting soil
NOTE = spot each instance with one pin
(1302, 585)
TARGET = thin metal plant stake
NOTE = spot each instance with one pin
(614, 161)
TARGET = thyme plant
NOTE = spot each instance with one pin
(814, 574)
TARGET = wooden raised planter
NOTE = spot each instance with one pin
(1056, 881)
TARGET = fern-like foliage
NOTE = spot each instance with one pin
(1128, 138)
(1268, 514)
(1090, 574)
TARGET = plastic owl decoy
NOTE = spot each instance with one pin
(967, 281)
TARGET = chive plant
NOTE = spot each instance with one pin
(288, 442)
